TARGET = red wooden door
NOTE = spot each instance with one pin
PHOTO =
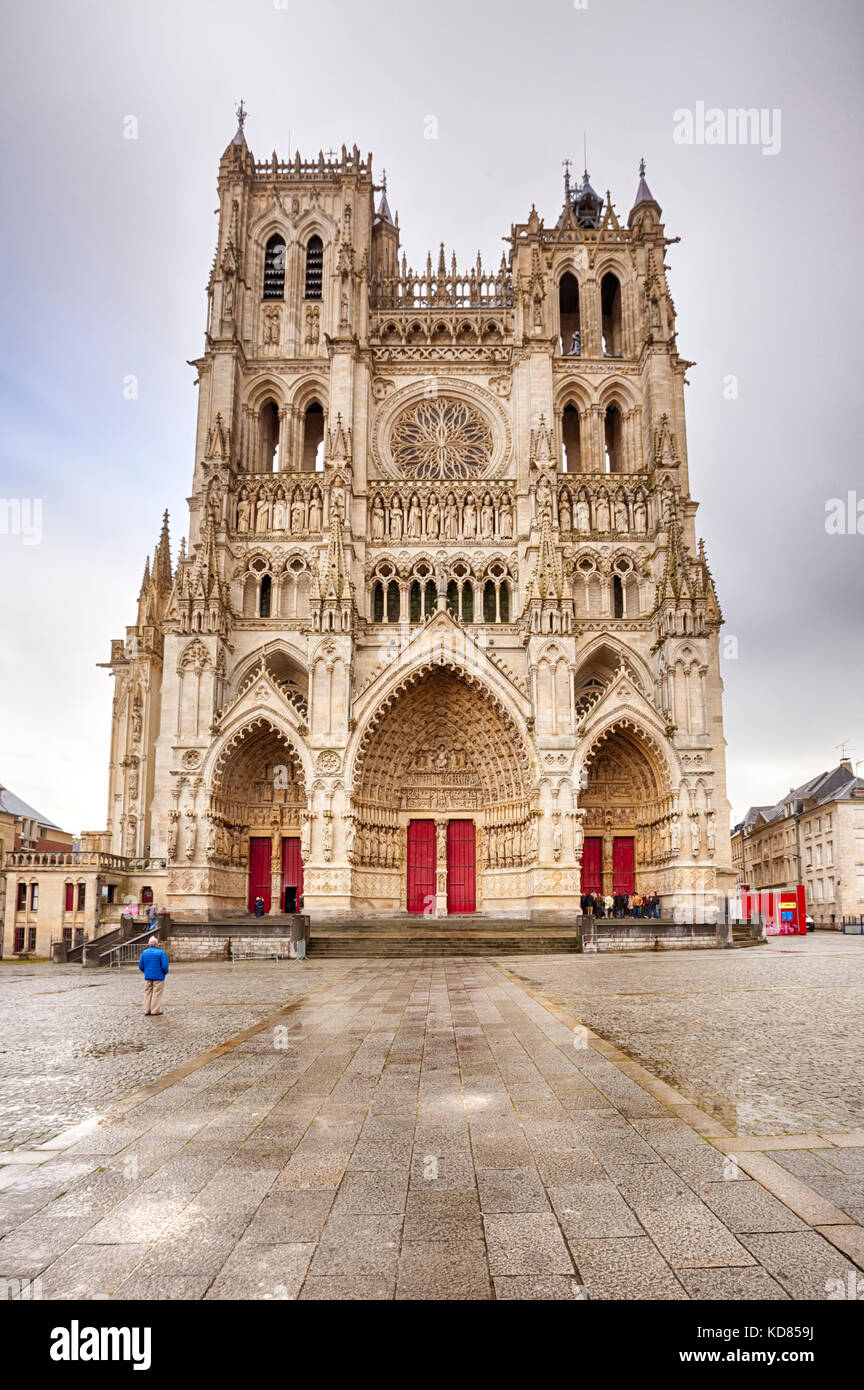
(421, 866)
(592, 864)
(623, 864)
(292, 870)
(461, 870)
(260, 849)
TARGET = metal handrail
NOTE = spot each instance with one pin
(116, 953)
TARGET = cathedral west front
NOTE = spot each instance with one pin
(442, 640)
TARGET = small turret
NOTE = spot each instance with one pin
(645, 206)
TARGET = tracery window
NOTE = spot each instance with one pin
(313, 439)
(274, 268)
(441, 438)
(314, 268)
(460, 595)
(266, 596)
(610, 303)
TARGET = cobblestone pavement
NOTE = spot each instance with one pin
(768, 1039)
(73, 1040)
(419, 1129)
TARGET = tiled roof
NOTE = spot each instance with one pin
(16, 807)
(837, 784)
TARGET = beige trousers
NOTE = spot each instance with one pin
(153, 996)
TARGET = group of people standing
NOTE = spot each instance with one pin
(633, 904)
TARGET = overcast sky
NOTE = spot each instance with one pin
(108, 242)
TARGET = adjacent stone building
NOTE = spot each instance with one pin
(31, 912)
(814, 835)
(443, 638)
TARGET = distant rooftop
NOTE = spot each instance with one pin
(837, 784)
(14, 806)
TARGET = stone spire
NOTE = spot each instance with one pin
(550, 597)
(241, 114)
(331, 593)
(384, 212)
(644, 198)
(162, 559)
(201, 589)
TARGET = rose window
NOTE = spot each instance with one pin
(441, 439)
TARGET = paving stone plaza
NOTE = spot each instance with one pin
(679, 1126)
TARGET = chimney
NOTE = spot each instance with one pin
(846, 764)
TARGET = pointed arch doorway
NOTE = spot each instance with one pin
(626, 803)
(257, 807)
(441, 786)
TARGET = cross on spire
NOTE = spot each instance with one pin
(241, 114)
(642, 167)
(566, 163)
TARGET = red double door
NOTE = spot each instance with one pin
(623, 864)
(260, 851)
(461, 866)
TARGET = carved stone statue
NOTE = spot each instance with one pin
(191, 835)
(262, 512)
(487, 518)
(298, 518)
(695, 837)
(711, 833)
(640, 516)
(578, 834)
(469, 518)
(557, 841)
(337, 498)
(544, 498)
(313, 324)
(378, 520)
(505, 520)
(244, 511)
(602, 512)
(271, 326)
(564, 513)
(415, 518)
(316, 510)
(433, 519)
(280, 511)
(583, 515)
(306, 834)
(622, 520)
(395, 518)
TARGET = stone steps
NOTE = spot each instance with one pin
(486, 941)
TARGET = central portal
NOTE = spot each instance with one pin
(441, 803)
(422, 850)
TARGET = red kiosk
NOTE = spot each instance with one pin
(784, 910)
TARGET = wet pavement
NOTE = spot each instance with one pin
(422, 1129)
(73, 1040)
(768, 1039)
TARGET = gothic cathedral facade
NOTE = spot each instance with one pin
(442, 639)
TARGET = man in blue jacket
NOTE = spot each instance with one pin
(154, 963)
